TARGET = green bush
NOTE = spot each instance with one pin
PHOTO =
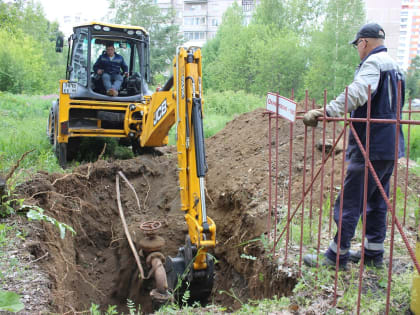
(23, 68)
(230, 103)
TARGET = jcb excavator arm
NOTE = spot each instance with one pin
(181, 104)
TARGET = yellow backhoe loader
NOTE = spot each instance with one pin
(84, 109)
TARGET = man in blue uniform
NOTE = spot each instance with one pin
(379, 71)
(108, 65)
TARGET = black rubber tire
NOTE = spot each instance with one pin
(62, 155)
(60, 149)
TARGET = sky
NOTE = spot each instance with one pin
(91, 9)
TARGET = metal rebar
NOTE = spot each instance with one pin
(340, 216)
(277, 171)
(312, 177)
(310, 186)
(394, 200)
(388, 203)
(407, 164)
(289, 191)
(365, 191)
(269, 180)
(305, 142)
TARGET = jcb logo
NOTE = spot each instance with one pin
(160, 112)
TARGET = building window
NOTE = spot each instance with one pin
(194, 36)
(193, 7)
(188, 20)
(403, 20)
(404, 13)
(247, 5)
(214, 22)
(198, 20)
(403, 33)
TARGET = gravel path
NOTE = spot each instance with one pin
(19, 269)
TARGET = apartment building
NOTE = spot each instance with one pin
(387, 14)
(409, 46)
(200, 19)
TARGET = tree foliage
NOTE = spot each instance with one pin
(164, 33)
(28, 62)
(332, 61)
(413, 78)
(300, 44)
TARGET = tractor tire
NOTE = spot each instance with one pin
(62, 155)
(60, 149)
(139, 150)
(73, 147)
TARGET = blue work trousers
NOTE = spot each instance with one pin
(112, 81)
(353, 208)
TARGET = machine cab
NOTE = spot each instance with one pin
(88, 42)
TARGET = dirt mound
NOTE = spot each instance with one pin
(97, 266)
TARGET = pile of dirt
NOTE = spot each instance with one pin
(96, 265)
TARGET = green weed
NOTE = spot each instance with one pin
(37, 213)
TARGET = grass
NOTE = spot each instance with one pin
(414, 142)
(23, 128)
(316, 285)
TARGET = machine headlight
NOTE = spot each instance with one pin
(97, 27)
(139, 32)
(106, 29)
(130, 32)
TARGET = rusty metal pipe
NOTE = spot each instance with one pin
(159, 275)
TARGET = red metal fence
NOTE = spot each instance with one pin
(312, 190)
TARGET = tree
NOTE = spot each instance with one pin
(413, 78)
(28, 62)
(257, 58)
(332, 60)
(164, 33)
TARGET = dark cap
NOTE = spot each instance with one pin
(370, 30)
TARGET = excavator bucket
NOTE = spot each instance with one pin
(184, 281)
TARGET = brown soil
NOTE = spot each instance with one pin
(96, 265)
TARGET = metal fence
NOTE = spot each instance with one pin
(313, 185)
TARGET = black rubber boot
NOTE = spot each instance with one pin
(310, 260)
(355, 257)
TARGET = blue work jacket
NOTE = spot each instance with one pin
(110, 66)
(379, 71)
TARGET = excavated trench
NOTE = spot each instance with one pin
(97, 266)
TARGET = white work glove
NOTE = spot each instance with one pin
(311, 117)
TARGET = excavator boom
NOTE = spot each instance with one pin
(181, 104)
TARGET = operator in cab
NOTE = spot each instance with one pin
(108, 65)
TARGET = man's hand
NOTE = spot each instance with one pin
(100, 71)
(125, 74)
(311, 117)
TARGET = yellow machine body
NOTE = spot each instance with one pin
(146, 123)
